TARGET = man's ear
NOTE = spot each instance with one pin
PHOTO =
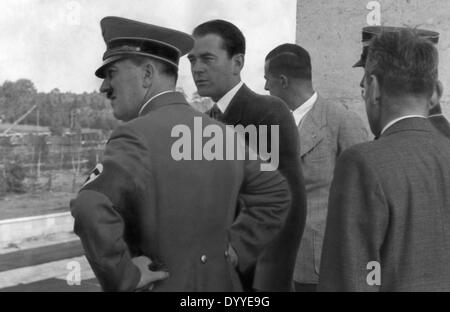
(436, 96)
(238, 63)
(148, 74)
(284, 81)
(374, 87)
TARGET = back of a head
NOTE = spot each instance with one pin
(290, 60)
(233, 39)
(404, 63)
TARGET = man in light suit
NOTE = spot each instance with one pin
(216, 63)
(326, 129)
(388, 218)
(148, 219)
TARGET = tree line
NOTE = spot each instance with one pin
(58, 110)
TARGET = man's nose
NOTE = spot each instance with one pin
(197, 67)
(266, 87)
(105, 86)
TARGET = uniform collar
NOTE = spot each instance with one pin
(162, 99)
(151, 99)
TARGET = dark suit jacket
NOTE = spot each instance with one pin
(441, 124)
(180, 214)
(390, 203)
(326, 131)
(274, 270)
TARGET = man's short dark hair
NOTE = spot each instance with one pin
(233, 39)
(291, 60)
(163, 67)
(403, 62)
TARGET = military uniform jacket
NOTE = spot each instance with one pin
(179, 213)
(275, 267)
(388, 224)
(325, 132)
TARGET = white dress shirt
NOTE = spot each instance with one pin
(301, 111)
(389, 124)
(146, 103)
(225, 100)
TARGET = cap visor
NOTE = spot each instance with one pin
(100, 72)
(360, 63)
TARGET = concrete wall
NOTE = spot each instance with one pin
(331, 32)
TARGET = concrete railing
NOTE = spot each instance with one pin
(13, 230)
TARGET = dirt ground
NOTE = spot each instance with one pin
(50, 193)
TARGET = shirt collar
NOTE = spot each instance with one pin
(435, 115)
(301, 111)
(152, 98)
(392, 122)
(225, 100)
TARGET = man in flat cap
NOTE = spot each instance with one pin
(148, 219)
(326, 129)
(388, 220)
(216, 63)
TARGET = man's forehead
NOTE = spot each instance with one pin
(208, 42)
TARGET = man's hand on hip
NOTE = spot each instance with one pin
(148, 277)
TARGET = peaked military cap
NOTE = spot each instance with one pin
(125, 37)
(368, 33)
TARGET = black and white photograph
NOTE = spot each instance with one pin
(198, 147)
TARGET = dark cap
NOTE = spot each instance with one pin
(369, 32)
(124, 37)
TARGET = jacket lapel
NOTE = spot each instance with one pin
(311, 128)
(233, 113)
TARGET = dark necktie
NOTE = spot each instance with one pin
(216, 113)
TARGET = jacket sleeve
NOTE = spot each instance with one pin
(274, 271)
(357, 221)
(103, 205)
(265, 200)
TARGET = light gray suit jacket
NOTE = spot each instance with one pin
(325, 132)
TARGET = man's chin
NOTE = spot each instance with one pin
(203, 91)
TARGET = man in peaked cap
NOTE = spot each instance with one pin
(148, 220)
(435, 112)
(389, 206)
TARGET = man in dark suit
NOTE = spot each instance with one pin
(388, 218)
(216, 63)
(326, 129)
(149, 219)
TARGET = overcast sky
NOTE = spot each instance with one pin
(58, 43)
